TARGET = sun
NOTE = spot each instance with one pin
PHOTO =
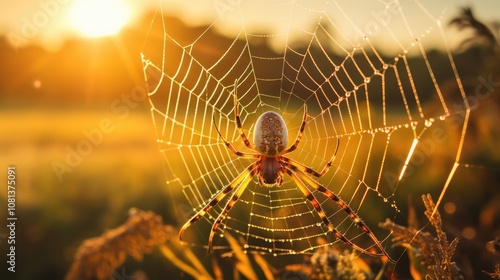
(94, 18)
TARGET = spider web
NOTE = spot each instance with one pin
(377, 104)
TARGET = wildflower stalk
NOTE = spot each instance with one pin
(99, 257)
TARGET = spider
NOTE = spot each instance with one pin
(270, 140)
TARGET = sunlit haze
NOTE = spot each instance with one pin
(51, 22)
(94, 18)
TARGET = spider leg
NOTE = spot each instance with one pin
(322, 214)
(229, 205)
(297, 165)
(230, 147)
(218, 197)
(354, 217)
(299, 135)
(237, 116)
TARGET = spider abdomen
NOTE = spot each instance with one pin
(270, 134)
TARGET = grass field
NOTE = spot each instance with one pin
(54, 216)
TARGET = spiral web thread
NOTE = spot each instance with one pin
(380, 107)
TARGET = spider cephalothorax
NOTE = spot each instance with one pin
(270, 140)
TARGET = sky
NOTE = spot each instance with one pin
(51, 22)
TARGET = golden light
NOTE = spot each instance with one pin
(94, 18)
(469, 232)
(450, 208)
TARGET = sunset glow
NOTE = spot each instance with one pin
(94, 18)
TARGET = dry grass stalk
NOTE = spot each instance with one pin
(99, 257)
(431, 256)
(330, 263)
(194, 271)
(264, 265)
(496, 273)
(242, 263)
(444, 267)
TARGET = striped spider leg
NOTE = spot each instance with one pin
(240, 183)
(297, 171)
(298, 174)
